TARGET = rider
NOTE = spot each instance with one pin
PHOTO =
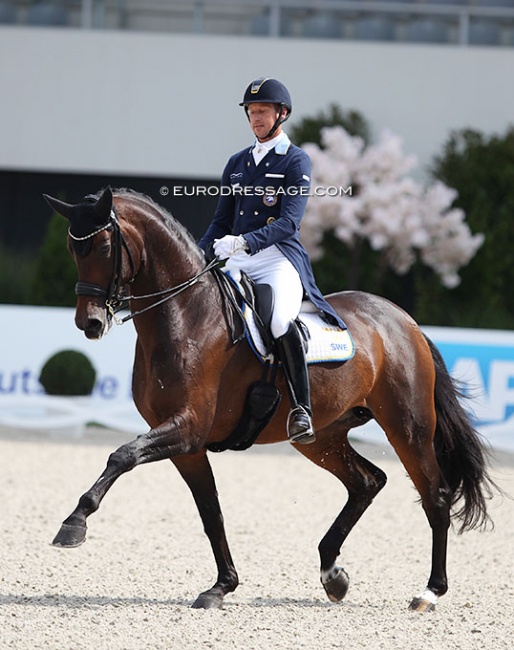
(256, 229)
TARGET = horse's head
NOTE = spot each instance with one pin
(95, 243)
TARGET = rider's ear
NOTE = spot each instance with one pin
(103, 206)
(62, 208)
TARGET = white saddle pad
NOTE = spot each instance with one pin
(327, 342)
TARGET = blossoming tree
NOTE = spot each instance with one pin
(363, 194)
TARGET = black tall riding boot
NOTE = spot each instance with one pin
(292, 354)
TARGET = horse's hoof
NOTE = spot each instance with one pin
(337, 585)
(70, 536)
(208, 600)
(426, 602)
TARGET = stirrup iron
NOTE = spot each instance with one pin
(305, 434)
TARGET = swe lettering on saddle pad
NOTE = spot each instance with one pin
(326, 343)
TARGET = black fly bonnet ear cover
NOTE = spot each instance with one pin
(86, 218)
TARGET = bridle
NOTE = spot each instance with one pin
(113, 294)
(115, 297)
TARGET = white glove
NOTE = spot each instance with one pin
(228, 245)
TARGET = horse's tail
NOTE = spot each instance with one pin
(460, 451)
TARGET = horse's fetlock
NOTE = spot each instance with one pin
(328, 550)
(437, 586)
(87, 505)
(233, 581)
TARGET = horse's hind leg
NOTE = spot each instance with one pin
(435, 499)
(416, 452)
(363, 480)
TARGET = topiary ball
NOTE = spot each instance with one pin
(68, 372)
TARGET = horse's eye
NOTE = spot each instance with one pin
(104, 250)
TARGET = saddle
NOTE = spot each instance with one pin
(260, 300)
(253, 303)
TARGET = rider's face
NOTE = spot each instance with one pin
(262, 118)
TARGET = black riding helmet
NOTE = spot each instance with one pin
(268, 91)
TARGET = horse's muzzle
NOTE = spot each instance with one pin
(92, 320)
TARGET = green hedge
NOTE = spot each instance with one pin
(17, 268)
(55, 273)
(68, 372)
(481, 169)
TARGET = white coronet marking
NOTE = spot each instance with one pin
(429, 596)
(333, 572)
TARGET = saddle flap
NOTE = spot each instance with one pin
(264, 303)
(261, 300)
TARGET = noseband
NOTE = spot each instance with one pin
(114, 298)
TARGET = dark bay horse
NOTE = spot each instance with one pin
(190, 382)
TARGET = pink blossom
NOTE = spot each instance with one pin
(397, 215)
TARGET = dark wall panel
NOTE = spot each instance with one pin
(24, 215)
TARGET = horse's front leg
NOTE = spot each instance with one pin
(197, 473)
(161, 442)
(194, 466)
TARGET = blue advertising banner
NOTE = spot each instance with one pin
(483, 361)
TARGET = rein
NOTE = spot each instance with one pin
(172, 292)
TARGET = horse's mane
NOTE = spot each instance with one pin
(181, 232)
(167, 218)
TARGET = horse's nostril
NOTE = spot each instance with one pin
(94, 328)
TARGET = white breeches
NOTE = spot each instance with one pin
(271, 267)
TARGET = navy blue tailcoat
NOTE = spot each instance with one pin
(266, 203)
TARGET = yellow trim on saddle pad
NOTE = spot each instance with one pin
(327, 343)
